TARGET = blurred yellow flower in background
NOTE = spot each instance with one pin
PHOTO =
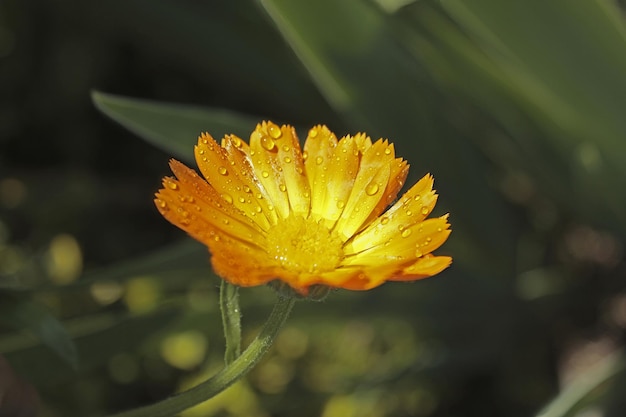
(314, 217)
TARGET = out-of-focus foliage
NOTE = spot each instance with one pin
(515, 107)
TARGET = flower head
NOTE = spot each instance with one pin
(314, 217)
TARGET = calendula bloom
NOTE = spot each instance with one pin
(269, 211)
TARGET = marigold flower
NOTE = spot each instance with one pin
(269, 211)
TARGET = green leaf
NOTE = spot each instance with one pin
(110, 334)
(551, 74)
(22, 313)
(171, 127)
(582, 387)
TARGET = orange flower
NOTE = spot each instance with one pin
(269, 211)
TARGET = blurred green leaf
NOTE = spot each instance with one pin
(171, 127)
(21, 313)
(110, 335)
(579, 389)
(552, 75)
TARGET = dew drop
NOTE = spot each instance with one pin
(417, 197)
(387, 151)
(409, 213)
(306, 194)
(340, 204)
(282, 187)
(319, 160)
(222, 171)
(274, 130)
(372, 189)
(247, 189)
(406, 233)
(161, 203)
(287, 159)
(172, 185)
(305, 155)
(418, 253)
(227, 198)
(242, 200)
(439, 229)
(236, 141)
(258, 209)
(226, 221)
(201, 151)
(428, 240)
(268, 143)
(424, 210)
(265, 174)
(299, 170)
(205, 140)
(286, 148)
(216, 238)
(313, 133)
(384, 220)
(270, 207)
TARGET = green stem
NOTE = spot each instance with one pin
(227, 376)
(231, 320)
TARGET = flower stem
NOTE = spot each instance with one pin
(231, 320)
(227, 376)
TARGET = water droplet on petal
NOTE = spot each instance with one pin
(226, 221)
(222, 171)
(313, 132)
(387, 151)
(282, 187)
(340, 204)
(265, 174)
(305, 155)
(286, 148)
(242, 200)
(227, 198)
(236, 141)
(268, 143)
(287, 159)
(439, 229)
(406, 233)
(424, 210)
(409, 213)
(372, 189)
(247, 189)
(417, 197)
(418, 253)
(384, 220)
(161, 203)
(258, 209)
(274, 130)
(319, 160)
(172, 185)
(201, 151)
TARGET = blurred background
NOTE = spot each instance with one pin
(516, 108)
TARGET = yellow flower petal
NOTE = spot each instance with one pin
(268, 211)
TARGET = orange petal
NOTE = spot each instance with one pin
(412, 208)
(318, 150)
(230, 180)
(371, 181)
(425, 267)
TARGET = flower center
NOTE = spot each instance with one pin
(303, 245)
